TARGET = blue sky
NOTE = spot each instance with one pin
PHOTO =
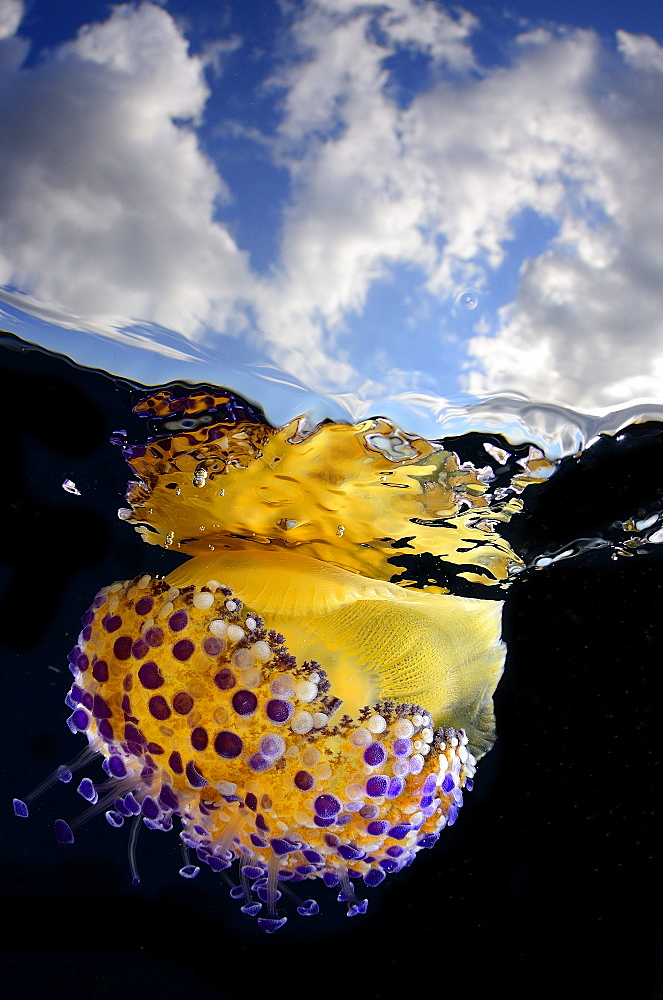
(301, 199)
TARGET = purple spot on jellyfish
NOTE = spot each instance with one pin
(100, 708)
(182, 703)
(193, 775)
(199, 739)
(225, 679)
(154, 637)
(183, 649)
(159, 707)
(228, 745)
(178, 621)
(304, 781)
(326, 806)
(244, 703)
(100, 671)
(140, 649)
(375, 755)
(143, 606)
(150, 676)
(377, 786)
(448, 784)
(279, 711)
(80, 719)
(122, 647)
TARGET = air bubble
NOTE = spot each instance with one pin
(467, 299)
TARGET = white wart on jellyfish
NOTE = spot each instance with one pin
(308, 694)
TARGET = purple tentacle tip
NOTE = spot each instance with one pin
(63, 832)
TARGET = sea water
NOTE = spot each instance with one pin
(568, 792)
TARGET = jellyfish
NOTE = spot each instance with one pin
(309, 692)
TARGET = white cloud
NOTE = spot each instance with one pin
(358, 206)
(640, 51)
(587, 326)
(106, 205)
(566, 131)
(11, 15)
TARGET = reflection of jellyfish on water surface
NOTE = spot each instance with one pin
(309, 693)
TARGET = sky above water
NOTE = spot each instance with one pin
(399, 201)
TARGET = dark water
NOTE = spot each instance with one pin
(549, 880)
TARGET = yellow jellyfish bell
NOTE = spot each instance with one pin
(304, 692)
